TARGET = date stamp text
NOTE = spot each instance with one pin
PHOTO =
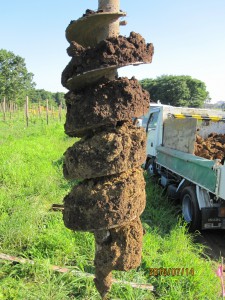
(171, 272)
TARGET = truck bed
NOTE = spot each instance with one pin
(198, 170)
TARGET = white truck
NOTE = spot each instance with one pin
(199, 183)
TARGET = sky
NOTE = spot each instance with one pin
(188, 38)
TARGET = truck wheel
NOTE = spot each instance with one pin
(150, 166)
(190, 208)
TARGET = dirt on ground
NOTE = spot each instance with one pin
(105, 202)
(212, 147)
(106, 103)
(115, 150)
(115, 51)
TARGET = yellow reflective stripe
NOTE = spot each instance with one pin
(215, 118)
(179, 116)
(199, 117)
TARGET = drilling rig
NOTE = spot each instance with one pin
(101, 106)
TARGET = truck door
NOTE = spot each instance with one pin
(153, 134)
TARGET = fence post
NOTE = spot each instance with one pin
(52, 111)
(27, 110)
(47, 111)
(10, 109)
(4, 116)
(39, 109)
(60, 111)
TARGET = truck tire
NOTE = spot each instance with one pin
(150, 166)
(190, 208)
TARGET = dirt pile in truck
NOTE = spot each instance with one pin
(110, 197)
(212, 147)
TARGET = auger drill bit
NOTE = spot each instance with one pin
(100, 106)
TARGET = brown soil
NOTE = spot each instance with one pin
(115, 51)
(100, 108)
(103, 282)
(106, 153)
(122, 248)
(89, 12)
(117, 249)
(105, 202)
(106, 103)
(213, 147)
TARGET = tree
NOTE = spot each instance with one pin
(59, 98)
(177, 90)
(41, 95)
(15, 81)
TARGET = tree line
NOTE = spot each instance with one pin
(16, 83)
(177, 90)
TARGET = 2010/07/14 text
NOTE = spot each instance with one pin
(171, 272)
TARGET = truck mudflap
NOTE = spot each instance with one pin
(211, 219)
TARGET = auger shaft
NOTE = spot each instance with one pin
(112, 30)
(109, 30)
(109, 5)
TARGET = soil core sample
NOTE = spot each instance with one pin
(101, 107)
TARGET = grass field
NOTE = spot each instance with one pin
(31, 181)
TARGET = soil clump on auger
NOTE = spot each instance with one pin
(116, 51)
(104, 103)
(114, 150)
(110, 197)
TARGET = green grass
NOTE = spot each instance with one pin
(31, 181)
